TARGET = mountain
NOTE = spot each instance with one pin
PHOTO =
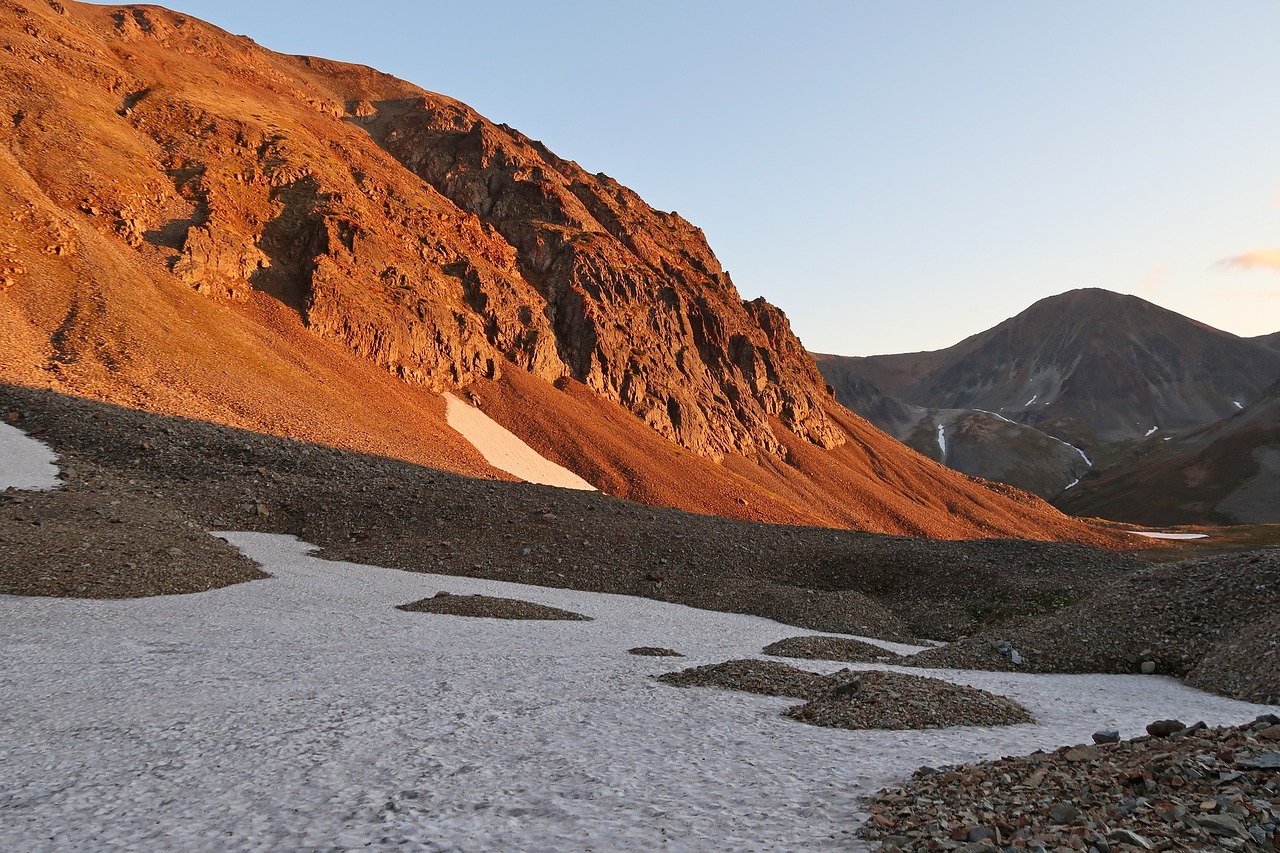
(1272, 341)
(1227, 472)
(201, 227)
(1094, 369)
(975, 442)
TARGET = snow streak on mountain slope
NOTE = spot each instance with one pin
(305, 711)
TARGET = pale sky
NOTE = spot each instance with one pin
(895, 175)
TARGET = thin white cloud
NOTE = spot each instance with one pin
(1258, 259)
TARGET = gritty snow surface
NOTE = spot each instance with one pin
(1152, 534)
(505, 451)
(305, 712)
(26, 463)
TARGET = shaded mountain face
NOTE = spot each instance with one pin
(978, 443)
(1272, 341)
(1090, 366)
(1227, 472)
(201, 227)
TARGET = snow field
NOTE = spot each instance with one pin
(305, 712)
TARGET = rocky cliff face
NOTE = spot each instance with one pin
(502, 256)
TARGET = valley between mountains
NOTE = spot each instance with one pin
(373, 477)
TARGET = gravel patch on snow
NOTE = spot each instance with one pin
(505, 451)
(306, 712)
(488, 607)
(26, 463)
(819, 647)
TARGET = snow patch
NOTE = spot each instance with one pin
(505, 451)
(1071, 485)
(1150, 431)
(1154, 535)
(305, 712)
(1238, 405)
(1032, 400)
(26, 463)
(942, 441)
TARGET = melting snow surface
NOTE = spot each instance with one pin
(26, 463)
(1153, 535)
(505, 451)
(305, 712)
(1150, 431)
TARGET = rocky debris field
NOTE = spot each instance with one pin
(1198, 788)
(864, 700)
(1213, 621)
(489, 607)
(817, 647)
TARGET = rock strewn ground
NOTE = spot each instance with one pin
(1212, 620)
(1204, 790)
(490, 607)
(818, 647)
(864, 700)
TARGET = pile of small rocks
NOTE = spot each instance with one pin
(891, 700)
(488, 606)
(1195, 788)
(654, 652)
(817, 647)
(865, 700)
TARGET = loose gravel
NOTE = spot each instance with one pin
(1208, 789)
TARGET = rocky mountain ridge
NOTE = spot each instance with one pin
(204, 228)
(1089, 375)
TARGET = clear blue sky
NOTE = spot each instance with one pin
(896, 175)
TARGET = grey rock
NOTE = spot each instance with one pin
(1063, 813)
(1133, 839)
(1164, 728)
(1106, 736)
(1148, 667)
(1224, 826)
(1265, 761)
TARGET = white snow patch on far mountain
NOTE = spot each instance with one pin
(1238, 405)
(1151, 534)
(942, 441)
(1150, 431)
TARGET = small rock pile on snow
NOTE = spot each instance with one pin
(488, 607)
(818, 647)
(1197, 789)
(865, 700)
